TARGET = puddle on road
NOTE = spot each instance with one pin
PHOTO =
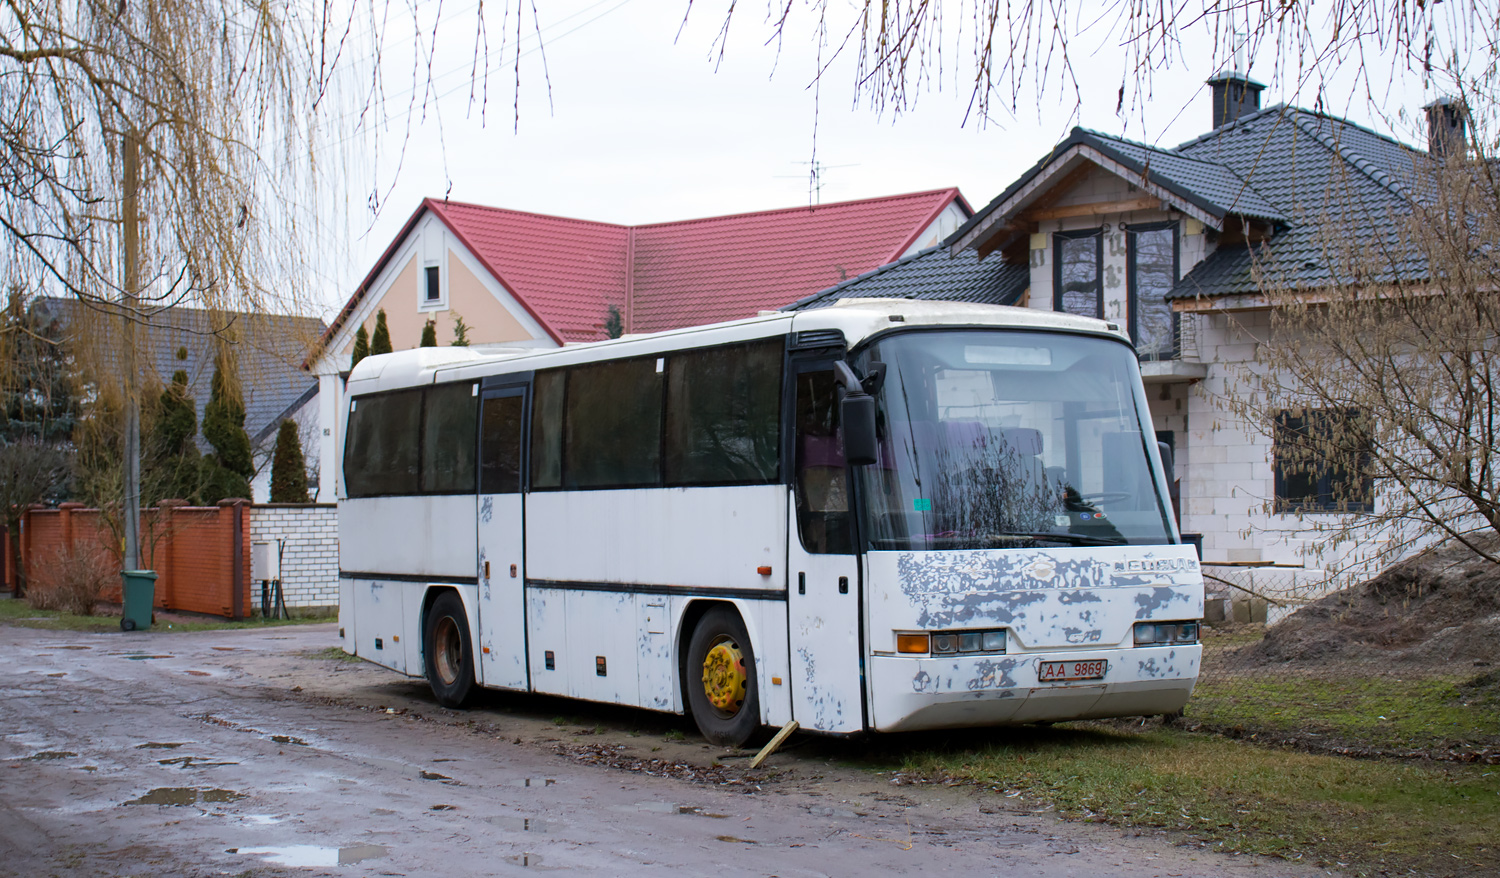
(538, 781)
(288, 739)
(443, 808)
(65, 646)
(528, 860)
(519, 824)
(674, 808)
(159, 745)
(192, 762)
(433, 775)
(735, 839)
(262, 819)
(227, 648)
(141, 658)
(59, 674)
(316, 855)
(51, 754)
(198, 673)
(185, 796)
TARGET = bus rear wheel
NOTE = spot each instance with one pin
(447, 652)
(720, 679)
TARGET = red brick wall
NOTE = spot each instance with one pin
(192, 549)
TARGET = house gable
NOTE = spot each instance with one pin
(428, 249)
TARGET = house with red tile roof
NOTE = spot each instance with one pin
(528, 279)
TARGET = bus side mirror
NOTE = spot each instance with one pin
(857, 417)
(1165, 452)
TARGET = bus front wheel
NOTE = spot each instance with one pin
(447, 652)
(720, 679)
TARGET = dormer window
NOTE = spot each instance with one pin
(1077, 286)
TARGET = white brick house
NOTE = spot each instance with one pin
(1160, 241)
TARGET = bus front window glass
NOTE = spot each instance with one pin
(995, 439)
(546, 429)
(500, 446)
(448, 439)
(822, 488)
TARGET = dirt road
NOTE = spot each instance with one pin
(253, 753)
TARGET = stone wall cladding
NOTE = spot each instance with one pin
(310, 554)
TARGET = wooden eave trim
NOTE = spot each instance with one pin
(1013, 208)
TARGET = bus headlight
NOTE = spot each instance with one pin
(975, 642)
(1152, 633)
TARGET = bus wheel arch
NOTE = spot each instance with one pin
(719, 681)
(447, 647)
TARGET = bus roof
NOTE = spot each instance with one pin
(856, 319)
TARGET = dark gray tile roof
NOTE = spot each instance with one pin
(931, 274)
(1302, 171)
(1320, 173)
(269, 349)
(1210, 185)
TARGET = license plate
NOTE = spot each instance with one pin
(1093, 669)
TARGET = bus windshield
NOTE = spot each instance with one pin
(996, 439)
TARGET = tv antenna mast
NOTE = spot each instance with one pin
(814, 177)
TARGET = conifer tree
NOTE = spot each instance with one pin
(361, 346)
(380, 341)
(288, 466)
(172, 460)
(228, 470)
(429, 335)
(460, 332)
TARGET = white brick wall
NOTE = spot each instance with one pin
(310, 555)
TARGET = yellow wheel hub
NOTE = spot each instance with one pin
(724, 676)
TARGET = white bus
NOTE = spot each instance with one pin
(883, 515)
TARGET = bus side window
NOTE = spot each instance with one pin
(500, 446)
(546, 429)
(380, 454)
(448, 439)
(822, 487)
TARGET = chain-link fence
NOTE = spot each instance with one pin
(1405, 663)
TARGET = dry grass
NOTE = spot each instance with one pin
(71, 582)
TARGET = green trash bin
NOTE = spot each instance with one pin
(139, 594)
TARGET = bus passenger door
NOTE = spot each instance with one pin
(502, 562)
(823, 586)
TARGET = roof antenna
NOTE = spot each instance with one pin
(814, 179)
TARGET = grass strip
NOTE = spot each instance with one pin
(1368, 816)
(22, 614)
(1383, 712)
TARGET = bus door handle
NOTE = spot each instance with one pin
(843, 585)
(486, 570)
(801, 583)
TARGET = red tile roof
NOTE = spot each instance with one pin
(567, 272)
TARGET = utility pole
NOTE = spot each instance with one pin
(130, 231)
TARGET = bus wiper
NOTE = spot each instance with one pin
(1068, 538)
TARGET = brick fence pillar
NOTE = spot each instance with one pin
(234, 512)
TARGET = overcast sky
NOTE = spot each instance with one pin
(639, 126)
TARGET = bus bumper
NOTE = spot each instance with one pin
(911, 694)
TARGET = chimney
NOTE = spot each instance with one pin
(1447, 123)
(1235, 95)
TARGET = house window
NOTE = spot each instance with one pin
(1077, 271)
(432, 291)
(1322, 461)
(1151, 271)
